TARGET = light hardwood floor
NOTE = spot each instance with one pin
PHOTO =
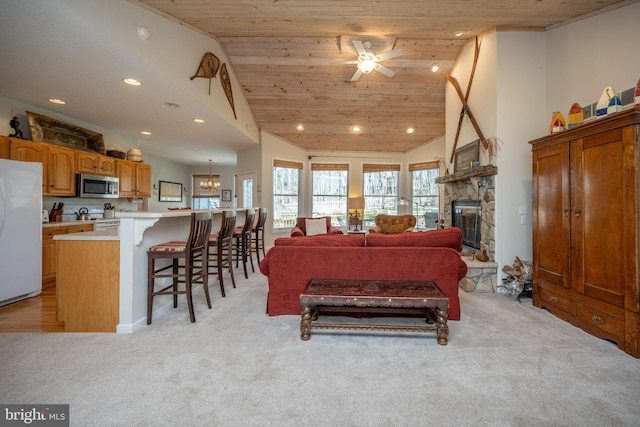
(37, 314)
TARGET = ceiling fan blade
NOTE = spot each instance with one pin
(384, 70)
(359, 47)
(356, 75)
(389, 54)
(352, 62)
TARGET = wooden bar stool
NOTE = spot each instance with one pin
(242, 241)
(258, 233)
(220, 252)
(193, 252)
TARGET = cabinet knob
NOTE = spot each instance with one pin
(554, 300)
(566, 213)
(578, 214)
(597, 319)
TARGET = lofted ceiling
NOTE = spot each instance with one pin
(284, 54)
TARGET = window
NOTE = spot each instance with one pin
(380, 191)
(286, 197)
(330, 189)
(204, 199)
(425, 193)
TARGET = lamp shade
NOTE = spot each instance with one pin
(356, 202)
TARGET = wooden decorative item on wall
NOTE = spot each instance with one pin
(46, 129)
(226, 85)
(464, 99)
(208, 68)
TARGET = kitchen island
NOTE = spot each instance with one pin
(137, 233)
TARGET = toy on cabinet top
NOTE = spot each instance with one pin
(576, 116)
(636, 100)
(558, 123)
(609, 102)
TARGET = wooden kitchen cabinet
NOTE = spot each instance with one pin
(96, 164)
(135, 179)
(58, 165)
(5, 152)
(61, 171)
(585, 236)
(49, 253)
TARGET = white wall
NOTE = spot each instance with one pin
(585, 57)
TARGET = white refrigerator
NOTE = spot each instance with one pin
(20, 230)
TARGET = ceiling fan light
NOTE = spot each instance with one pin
(434, 68)
(367, 65)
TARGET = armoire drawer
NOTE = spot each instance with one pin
(600, 320)
(551, 299)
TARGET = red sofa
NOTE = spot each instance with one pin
(432, 255)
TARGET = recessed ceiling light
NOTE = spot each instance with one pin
(356, 129)
(410, 130)
(300, 128)
(132, 82)
(145, 132)
(434, 68)
(143, 32)
(57, 101)
(198, 120)
(458, 33)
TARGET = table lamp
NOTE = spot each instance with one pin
(356, 203)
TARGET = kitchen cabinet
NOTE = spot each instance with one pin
(135, 179)
(49, 258)
(585, 227)
(4, 148)
(96, 164)
(61, 172)
(58, 165)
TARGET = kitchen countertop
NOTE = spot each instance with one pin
(66, 223)
(110, 234)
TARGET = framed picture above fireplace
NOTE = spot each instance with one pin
(466, 156)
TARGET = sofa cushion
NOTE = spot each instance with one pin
(315, 226)
(335, 240)
(301, 223)
(447, 237)
(393, 223)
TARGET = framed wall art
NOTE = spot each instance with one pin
(226, 195)
(170, 191)
(466, 156)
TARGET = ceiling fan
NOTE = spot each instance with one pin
(368, 60)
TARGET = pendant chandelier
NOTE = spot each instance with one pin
(210, 184)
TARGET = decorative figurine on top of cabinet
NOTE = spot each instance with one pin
(15, 124)
(609, 102)
(637, 95)
(576, 117)
(558, 123)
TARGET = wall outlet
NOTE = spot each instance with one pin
(523, 219)
(522, 210)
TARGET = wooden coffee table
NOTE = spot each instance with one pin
(398, 294)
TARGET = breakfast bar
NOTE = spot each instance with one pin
(138, 231)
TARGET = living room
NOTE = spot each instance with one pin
(519, 365)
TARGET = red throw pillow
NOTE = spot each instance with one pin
(333, 240)
(447, 237)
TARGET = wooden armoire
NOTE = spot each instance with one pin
(585, 227)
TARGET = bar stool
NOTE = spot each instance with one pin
(220, 252)
(242, 241)
(258, 233)
(193, 252)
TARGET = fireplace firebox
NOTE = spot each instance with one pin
(467, 216)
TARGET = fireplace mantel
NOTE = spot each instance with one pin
(468, 173)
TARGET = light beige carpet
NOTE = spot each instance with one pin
(507, 364)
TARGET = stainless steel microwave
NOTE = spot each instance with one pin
(97, 186)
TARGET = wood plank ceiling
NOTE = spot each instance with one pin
(283, 53)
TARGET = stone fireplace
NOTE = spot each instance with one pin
(473, 192)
